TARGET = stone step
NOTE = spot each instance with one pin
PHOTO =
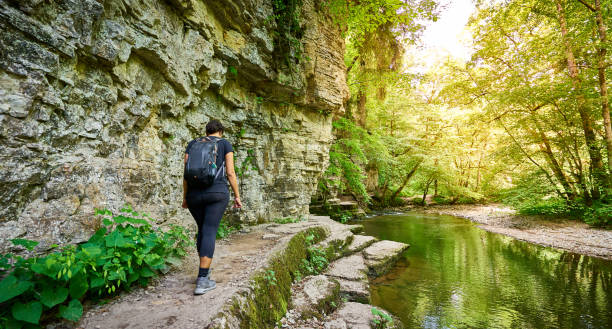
(360, 242)
(381, 255)
(315, 296)
(352, 268)
(357, 316)
(354, 291)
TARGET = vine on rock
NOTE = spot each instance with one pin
(288, 30)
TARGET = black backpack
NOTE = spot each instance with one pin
(201, 166)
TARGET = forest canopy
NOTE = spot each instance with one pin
(524, 121)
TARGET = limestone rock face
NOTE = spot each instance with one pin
(98, 100)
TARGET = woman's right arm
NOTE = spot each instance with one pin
(231, 177)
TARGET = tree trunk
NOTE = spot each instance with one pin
(406, 179)
(599, 175)
(426, 190)
(361, 109)
(548, 177)
(552, 161)
(603, 86)
(436, 188)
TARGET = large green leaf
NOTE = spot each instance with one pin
(146, 272)
(154, 261)
(29, 312)
(12, 287)
(115, 239)
(96, 282)
(91, 250)
(78, 285)
(51, 296)
(73, 311)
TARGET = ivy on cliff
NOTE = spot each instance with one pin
(289, 31)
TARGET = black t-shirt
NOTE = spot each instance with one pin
(220, 183)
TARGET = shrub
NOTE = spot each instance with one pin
(600, 214)
(126, 250)
(547, 207)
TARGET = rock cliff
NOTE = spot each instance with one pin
(98, 100)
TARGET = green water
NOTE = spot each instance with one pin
(455, 275)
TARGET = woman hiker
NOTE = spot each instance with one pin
(207, 204)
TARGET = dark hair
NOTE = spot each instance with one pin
(214, 126)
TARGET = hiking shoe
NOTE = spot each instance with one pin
(204, 284)
(207, 275)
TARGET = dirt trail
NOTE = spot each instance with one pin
(170, 302)
(563, 234)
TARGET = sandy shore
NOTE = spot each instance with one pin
(562, 234)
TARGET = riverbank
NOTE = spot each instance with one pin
(562, 234)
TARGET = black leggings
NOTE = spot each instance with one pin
(207, 210)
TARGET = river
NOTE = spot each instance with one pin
(455, 275)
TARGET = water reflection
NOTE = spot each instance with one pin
(455, 275)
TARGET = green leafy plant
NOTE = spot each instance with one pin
(288, 30)
(270, 277)
(124, 251)
(381, 319)
(247, 164)
(226, 229)
(315, 261)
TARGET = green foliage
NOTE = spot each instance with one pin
(599, 214)
(225, 229)
(126, 250)
(288, 31)
(315, 261)
(233, 70)
(549, 207)
(246, 165)
(381, 319)
(270, 277)
(347, 160)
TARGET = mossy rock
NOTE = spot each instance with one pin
(269, 293)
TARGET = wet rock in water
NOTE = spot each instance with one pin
(358, 316)
(380, 256)
(318, 294)
(349, 268)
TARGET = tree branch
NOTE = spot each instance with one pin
(591, 8)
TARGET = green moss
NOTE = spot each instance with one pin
(268, 301)
(337, 248)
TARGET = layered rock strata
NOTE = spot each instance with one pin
(98, 99)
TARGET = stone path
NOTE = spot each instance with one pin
(170, 303)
